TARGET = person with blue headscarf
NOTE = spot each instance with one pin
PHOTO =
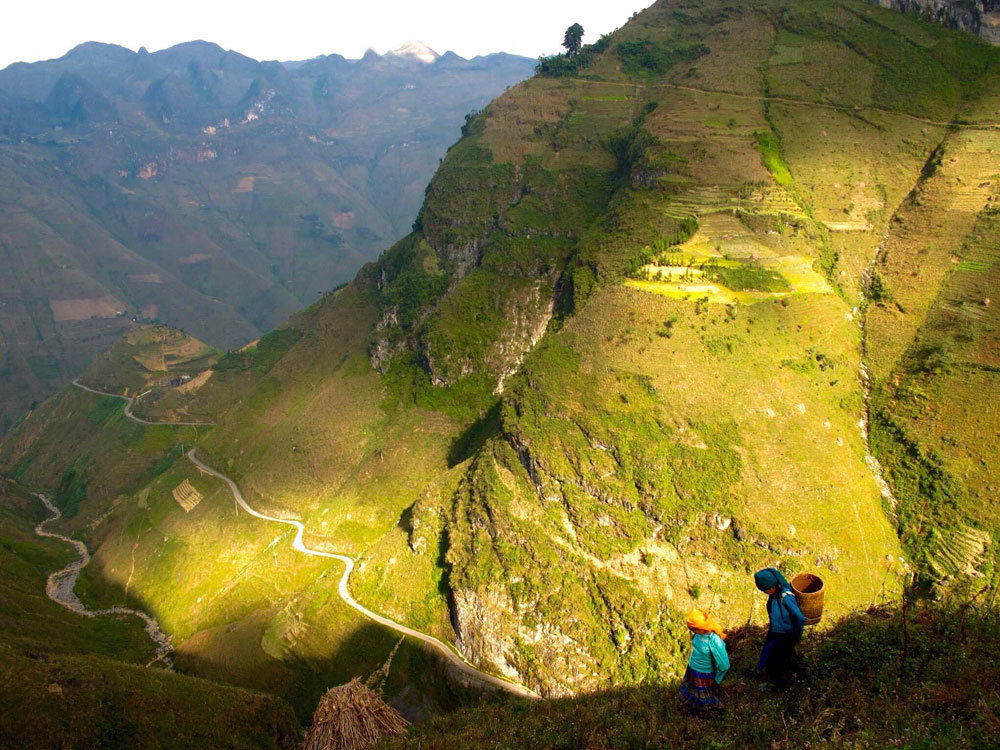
(785, 625)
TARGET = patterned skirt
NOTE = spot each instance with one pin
(698, 690)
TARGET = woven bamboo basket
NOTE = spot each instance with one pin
(809, 589)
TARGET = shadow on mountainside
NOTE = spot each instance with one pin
(869, 682)
(415, 681)
(474, 436)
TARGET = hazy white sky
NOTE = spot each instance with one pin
(300, 29)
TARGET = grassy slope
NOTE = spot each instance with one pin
(28, 619)
(258, 615)
(775, 386)
(82, 449)
(107, 697)
(933, 346)
(102, 703)
(863, 690)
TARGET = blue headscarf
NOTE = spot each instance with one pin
(769, 578)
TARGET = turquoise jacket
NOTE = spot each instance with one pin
(705, 648)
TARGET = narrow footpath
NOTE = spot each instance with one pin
(130, 402)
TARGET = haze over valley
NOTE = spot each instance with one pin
(202, 188)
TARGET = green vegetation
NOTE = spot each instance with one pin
(86, 701)
(878, 290)
(749, 277)
(558, 66)
(29, 622)
(647, 57)
(415, 281)
(770, 149)
(72, 489)
(577, 57)
(870, 682)
(71, 681)
(934, 368)
(609, 374)
(573, 39)
(261, 356)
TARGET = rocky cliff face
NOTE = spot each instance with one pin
(980, 17)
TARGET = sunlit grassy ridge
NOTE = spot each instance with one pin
(935, 361)
(536, 446)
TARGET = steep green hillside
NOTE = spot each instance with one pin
(616, 367)
(975, 16)
(85, 449)
(70, 681)
(934, 342)
(29, 621)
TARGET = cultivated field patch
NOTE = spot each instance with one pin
(84, 309)
(186, 496)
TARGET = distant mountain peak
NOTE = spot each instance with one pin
(414, 50)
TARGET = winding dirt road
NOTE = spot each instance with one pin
(60, 584)
(473, 674)
(65, 586)
(130, 402)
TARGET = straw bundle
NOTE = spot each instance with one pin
(352, 717)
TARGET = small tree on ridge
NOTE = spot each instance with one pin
(573, 41)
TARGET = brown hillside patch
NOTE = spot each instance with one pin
(83, 309)
(151, 361)
(145, 278)
(195, 383)
(195, 258)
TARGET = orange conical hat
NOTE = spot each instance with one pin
(699, 619)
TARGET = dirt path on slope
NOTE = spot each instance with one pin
(472, 673)
(64, 585)
(130, 402)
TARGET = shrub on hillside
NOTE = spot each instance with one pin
(646, 56)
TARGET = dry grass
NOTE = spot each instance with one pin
(927, 231)
(82, 309)
(352, 717)
(186, 496)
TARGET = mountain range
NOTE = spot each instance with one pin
(203, 188)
